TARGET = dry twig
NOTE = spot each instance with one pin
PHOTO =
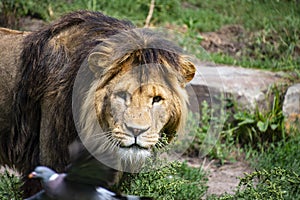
(150, 13)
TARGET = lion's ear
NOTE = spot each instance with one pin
(188, 69)
(97, 62)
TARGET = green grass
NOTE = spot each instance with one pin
(211, 135)
(276, 183)
(276, 175)
(272, 27)
(174, 181)
(202, 15)
(230, 131)
(284, 154)
(9, 187)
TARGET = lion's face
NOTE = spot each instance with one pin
(140, 102)
(137, 113)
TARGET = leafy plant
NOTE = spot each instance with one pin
(211, 135)
(241, 128)
(174, 181)
(277, 183)
(10, 187)
(277, 174)
(12, 10)
(262, 126)
(284, 154)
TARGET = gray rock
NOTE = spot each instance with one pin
(248, 87)
(291, 108)
(291, 103)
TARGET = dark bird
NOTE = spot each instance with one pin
(85, 179)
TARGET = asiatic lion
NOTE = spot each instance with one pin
(131, 84)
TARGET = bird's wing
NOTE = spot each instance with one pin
(105, 194)
(86, 169)
(39, 196)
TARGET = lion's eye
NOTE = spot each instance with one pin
(156, 99)
(122, 95)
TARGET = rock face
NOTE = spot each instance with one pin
(291, 104)
(248, 87)
(291, 107)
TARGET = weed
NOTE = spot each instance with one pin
(10, 186)
(255, 130)
(12, 10)
(210, 139)
(277, 174)
(261, 127)
(277, 183)
(174, 181)
(284, 154)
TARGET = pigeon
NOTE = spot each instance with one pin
(86, 178)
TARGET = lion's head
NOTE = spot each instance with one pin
(138, 95)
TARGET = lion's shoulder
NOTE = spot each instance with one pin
(11, 45)
(11, 40)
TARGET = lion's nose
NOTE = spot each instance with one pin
(136, 131)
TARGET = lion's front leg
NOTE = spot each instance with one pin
(53, 141)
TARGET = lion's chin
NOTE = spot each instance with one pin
(133, 158)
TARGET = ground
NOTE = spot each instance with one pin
(221, 178)
(226, 177)
(229, 39)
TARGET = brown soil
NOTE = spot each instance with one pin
(235, 41)
(229, 40)
(226, 178)
(221, 178)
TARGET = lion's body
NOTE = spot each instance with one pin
(134, 104)
(11, 48)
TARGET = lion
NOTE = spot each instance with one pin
(92, 77)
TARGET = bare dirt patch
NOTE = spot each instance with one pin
(221, 178)
(235, 41)
(229, 39)
(225, 179)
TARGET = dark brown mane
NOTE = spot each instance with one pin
(48, 71)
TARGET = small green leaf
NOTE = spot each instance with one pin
(262, 126)
(274, 126)
(246, 121)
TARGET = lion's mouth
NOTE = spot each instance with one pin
(134, 146)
